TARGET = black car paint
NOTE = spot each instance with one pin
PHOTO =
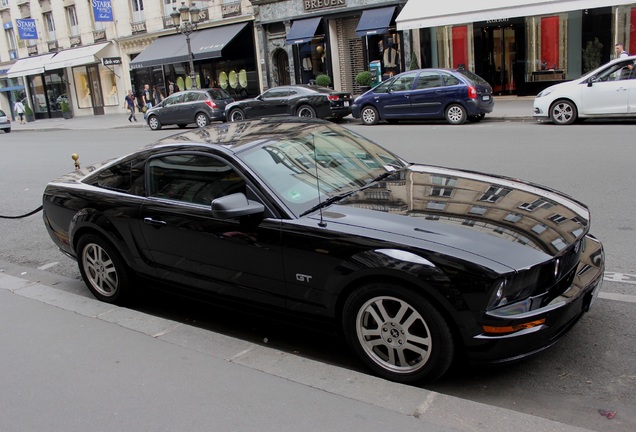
(310, 264)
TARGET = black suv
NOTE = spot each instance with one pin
(189, 106)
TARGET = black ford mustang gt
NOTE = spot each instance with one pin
(416, 264)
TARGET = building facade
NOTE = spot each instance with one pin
(82, 53)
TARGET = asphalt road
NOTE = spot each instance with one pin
(592, 369)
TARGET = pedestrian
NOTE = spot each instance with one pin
(147, 97)
(18, 108)
(130, 105)
(158, 95)
(620, 50)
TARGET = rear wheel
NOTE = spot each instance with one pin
(398, 333)
(456, 114)
(236, 114)
(103, 269)
(369, 115)
(306, 111)
(202, 120)
(563, 112)
(154, 123)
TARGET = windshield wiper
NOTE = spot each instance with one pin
(328, 202)
(387, 174)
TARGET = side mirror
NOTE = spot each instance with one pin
(234, 206)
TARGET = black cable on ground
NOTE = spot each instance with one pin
(22, 216)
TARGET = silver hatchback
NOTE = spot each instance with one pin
(189, 106)
(5, 122)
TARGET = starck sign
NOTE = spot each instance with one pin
(27, 29)
(311, 5)
(102, 10)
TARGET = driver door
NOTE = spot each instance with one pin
(609, 93)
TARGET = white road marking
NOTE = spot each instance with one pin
(617, 297)
(48, 266)
(620, 277)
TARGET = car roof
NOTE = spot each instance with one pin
(238, 136)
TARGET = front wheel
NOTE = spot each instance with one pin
(456, 114)
(306, 111)
(369, 115)
(103, 269)
(563, 112)
(398, 333)
(202, 120)
(236, 115)
(154, 123)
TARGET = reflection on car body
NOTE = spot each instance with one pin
(607, 92)
(416, 264)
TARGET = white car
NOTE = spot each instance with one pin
(608, 91)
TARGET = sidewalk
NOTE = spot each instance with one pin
(73, 363)
(507, 108)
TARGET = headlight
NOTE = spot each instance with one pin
(544, 92)
(514, 288)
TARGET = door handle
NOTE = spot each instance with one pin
(151, 221)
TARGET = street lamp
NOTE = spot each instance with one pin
(185, 21)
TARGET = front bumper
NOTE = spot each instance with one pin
(556, 318)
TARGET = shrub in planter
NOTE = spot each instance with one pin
(66, 110)
(323, 80)
(364, 78)
(28, 113)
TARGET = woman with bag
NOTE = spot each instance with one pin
(130, 105)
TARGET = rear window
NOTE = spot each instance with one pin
(476, 79)
(217, 93)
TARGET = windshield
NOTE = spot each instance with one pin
(332, 161)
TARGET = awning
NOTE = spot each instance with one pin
(75, 56)
(302, 31)
(206, 43)
(29, 66)
(421, 14)
(375, 21)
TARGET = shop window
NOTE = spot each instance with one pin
(82, 88)
(109, 86)
(460, 46)
(550, 43)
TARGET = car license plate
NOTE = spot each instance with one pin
(485, 97)
(346, 103)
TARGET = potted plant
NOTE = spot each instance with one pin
(323, 80)
(364, 79)
(66, 109)
(28, 113)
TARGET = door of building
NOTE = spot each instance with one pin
(96, 90)
(501, 45)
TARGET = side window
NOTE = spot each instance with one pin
(450, 80)
(174, 99)
(192, 178)
(403, 82)
(126, 176)
(191, 97)
(428, 80)
(275, 93)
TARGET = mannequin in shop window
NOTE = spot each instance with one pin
(390, 58)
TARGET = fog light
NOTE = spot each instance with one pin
(513, 328)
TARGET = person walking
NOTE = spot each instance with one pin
(18, 108)
(147, 97)
(130, 105)
(620, 50)
(157, 93)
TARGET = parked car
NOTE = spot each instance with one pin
(456, 95)
(606, 92)
(303, 100)
(5, 122)
(417, 265)
(189, 106)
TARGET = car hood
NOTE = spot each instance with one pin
(515, 223)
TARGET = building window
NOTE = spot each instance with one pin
(539, 203)
(50, 26)
(137, 10)
(557, 218)
(441, 191)
(539, 228)
(167, 7)
(494, 194)
(13, 50)
(477, 210)
(73, 24)
(513, 217)
(443, 181)
(435, 205)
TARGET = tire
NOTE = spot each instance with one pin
(182, 125)
(236, 114)
(154, 123)
(369, 115)
(202, 120)
(7, 131)
(455, 114)
(103, 269)
(306, 111)
(563, 112)
(374, 319)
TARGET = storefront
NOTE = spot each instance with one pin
(338, 38)
(520, 47)
(75, 78)
(223, 56)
